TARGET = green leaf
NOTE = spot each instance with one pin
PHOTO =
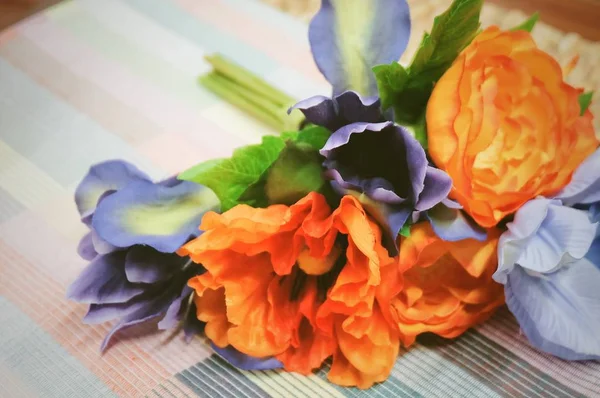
(230, 178)
(452, 31)
(314, 137)
(528, 24)
(585, 100)
(391, 80)
(405, 231)
(407, 91)
(296, 172)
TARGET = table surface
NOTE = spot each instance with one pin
(88, 81)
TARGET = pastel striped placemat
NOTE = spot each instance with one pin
(87, 81)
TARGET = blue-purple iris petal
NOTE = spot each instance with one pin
(451, 204)
(103, 281)
(100, 313)
(102, 177)
(163, 217)
(349, 37)
(453, 225)
(560, 312)
(246, 362)
(100, 245)
(584, 187)
(436, 186)
(319, 110)
(85, 249)
(151, 310)
(346, 108)
(143, 264)
(173, 314)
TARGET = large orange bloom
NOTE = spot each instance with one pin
(301, 283)
(505, 126)
(448, 286)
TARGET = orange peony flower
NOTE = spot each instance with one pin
(448, 286)
(278, 284)
(505, 126)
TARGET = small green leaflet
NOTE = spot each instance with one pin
(391, 81)
(242, 178)
(405, 231)
(407, 91)
(229, 178)
(585, 100)
(529, 24)
(296, 172)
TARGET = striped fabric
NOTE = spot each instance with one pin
(90, 80)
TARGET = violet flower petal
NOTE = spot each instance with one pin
(100, 313)
(319, 110)
(349, 37)
(192, 326)
(143, 264)
(347, 108)
(246, 362)
(436, 187)
(584, 187)
(453, 225)
(163, 217)
(102, 177)
(103, 281)
(85, 249)
(559, 312)
(543, 237)
(172, 315)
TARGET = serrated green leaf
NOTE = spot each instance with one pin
(230, 178)
(311, 138)
(408, 93)
(452, 31)
(528, 24)
(585, 100)
(294, 174)
(391, 80)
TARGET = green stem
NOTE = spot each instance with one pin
(250, 93)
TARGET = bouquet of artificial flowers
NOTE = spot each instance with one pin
(415, 199)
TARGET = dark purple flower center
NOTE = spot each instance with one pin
(375, 155)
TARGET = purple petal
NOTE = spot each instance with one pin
(559, 312)
(347, 108)
(173, 315)
(543, 237)
(584, 187)
(353, 108)
(103, 281)
(100, 245)
(436, 187)
(319, 110)
(192, 326)
(416, 161)
(146, 265)
(349, 37)
(100, 313)
(102, 177)
(151, 310)
(342, 136)
(449, 203)
(85, 249)
(153, 214)
(246, 362)
(453, 225)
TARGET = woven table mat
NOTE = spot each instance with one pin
(564, 46)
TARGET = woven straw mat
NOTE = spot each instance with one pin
(564, 46)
